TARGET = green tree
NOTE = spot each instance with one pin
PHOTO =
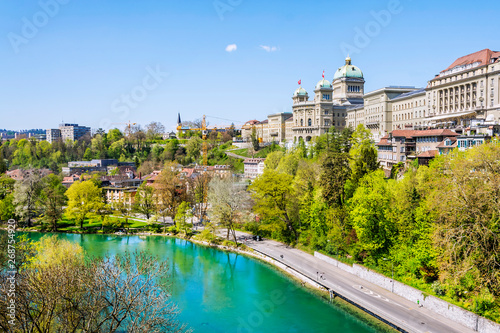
(154, 130)
(184, 212)
(3, 165)
(6, 185)
(145, 202)
(193, 148)
(335, 172)
(289, 164)
(84, 199)
(199, 192)
(368, 209)
(275, 199)
(169, 191)
(364, 157)
(273, 159)
(228, 203)
(463, 192)
(114, 135)
(88, 155)
(62, 290)
(255, 139)
(26, 195)
(123, 207)
(53, 199)
(7, 208)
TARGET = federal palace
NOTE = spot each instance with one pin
(467, 91)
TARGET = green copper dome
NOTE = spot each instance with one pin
(348, 70)
(323, 84)
(300, 92)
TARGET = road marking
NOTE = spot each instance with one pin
(374, 294)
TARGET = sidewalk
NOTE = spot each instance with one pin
(395, 309)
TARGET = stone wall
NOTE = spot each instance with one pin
(437, 305)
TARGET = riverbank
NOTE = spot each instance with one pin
(325, 278)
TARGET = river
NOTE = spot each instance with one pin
(220, 291)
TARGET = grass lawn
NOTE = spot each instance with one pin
(68, 225)
(241, 152)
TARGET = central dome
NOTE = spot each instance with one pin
(348, 70)
(300, 92)
(323, 84)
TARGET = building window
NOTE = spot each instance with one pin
(309, 122)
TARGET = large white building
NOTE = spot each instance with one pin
(468, 89)
(330, 104)
(66, 132)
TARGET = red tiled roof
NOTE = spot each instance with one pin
(482, 56)
(428, 154)
(418, 133)
(384, 142)
(453, 143)
(188, 172)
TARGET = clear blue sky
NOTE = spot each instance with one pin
(86, 56)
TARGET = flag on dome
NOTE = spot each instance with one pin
(323, 74)
(300, 82)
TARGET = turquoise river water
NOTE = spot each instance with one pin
(219, 291)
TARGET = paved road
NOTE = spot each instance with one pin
(228, 153)
(385, 304)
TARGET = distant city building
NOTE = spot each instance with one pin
(254, 167)
(20, 174)
(402, 145)
(103, 165)
(53, 135)
(406, 145)
(66, 132)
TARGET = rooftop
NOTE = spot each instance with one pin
(482, 57)
(409, 94)
(420, 133)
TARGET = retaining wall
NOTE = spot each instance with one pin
(437, 305)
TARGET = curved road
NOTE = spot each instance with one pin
(395, 309)
(228, 153)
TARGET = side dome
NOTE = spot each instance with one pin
(300, 92)
(348, 70)
(323, 84)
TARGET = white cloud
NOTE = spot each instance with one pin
(269, 48)
(231, 48)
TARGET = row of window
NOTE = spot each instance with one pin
(405, 106)
(353, 89)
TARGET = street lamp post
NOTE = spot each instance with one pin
(392, 268)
